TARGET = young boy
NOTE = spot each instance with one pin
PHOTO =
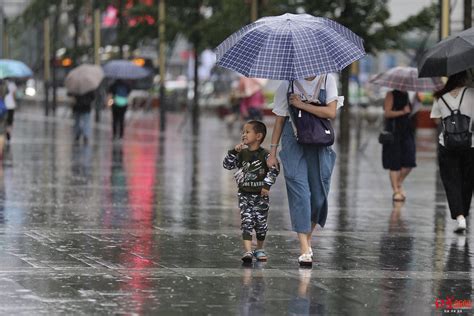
(254, 179)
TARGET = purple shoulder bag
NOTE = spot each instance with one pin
(309, 128)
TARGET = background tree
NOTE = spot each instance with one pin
(205, 23)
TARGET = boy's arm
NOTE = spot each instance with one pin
(231, 160)
(271, 175)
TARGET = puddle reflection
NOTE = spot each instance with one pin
(252, 296)
(2, 196)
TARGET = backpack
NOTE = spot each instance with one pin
(456, 133)
(121, 95)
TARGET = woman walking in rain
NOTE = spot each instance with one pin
(10, 103)
(119, 100)
(3, 115)
(307, 168)
(456, 166)
(252, 101)
(399, 157)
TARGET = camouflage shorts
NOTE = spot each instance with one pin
(253, 215)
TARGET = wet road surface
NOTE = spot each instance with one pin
(151, 226)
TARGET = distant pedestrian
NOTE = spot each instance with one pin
(10, 103)
(456, 166)
(254, 179)
(399, 157)
(119, 100)
(82, 116)
(252, 100)
(3, 115)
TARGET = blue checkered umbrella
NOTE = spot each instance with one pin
(290, 46)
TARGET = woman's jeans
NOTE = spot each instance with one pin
(456, 169)
(308, 171)
(82, 124)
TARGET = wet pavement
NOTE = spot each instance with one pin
(151, 226)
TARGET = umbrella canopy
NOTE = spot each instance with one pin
(124, 69)
(406, 79)
(290, 46)
(10, 68)
(452, 55)
(83, 79)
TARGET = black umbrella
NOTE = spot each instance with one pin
(452, 55)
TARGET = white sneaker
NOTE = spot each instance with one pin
(461, 227)
(311, 252)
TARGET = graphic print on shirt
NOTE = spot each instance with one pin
(249, 172)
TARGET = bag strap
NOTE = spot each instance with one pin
(316, 89)
(460, 101)
(291, 89)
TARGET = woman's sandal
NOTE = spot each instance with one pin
(398, 197)
(247, 257)
(305, 260)
(260, 255)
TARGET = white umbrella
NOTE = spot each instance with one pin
(83, 79)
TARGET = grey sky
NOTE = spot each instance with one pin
(401, 9)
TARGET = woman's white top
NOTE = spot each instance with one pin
(10, 103)
(280, 105)
(440, 110)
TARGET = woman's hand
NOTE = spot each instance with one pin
(295, 100)
(407, 109)
(272, 161)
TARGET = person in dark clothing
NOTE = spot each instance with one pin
(82, 116)
(399, 157)
(456, 166)
(119, 97)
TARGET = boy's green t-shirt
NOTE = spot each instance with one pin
(252, 170)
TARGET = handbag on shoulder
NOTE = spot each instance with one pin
(456, 133)
(309, 128)
(387, 137)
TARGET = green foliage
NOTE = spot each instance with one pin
(367, 18)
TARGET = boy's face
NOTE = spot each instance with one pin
(249, 137)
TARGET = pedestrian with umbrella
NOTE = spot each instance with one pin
(302, 50)
(3, 116)
(11, 70)
(82, 82)
(456, 165)
(10, 103)
(453, 107)
(123, 71)
(399, 152)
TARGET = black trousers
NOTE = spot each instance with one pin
(456, 169)
(118, 120)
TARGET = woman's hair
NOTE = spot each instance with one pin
(454, 81)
